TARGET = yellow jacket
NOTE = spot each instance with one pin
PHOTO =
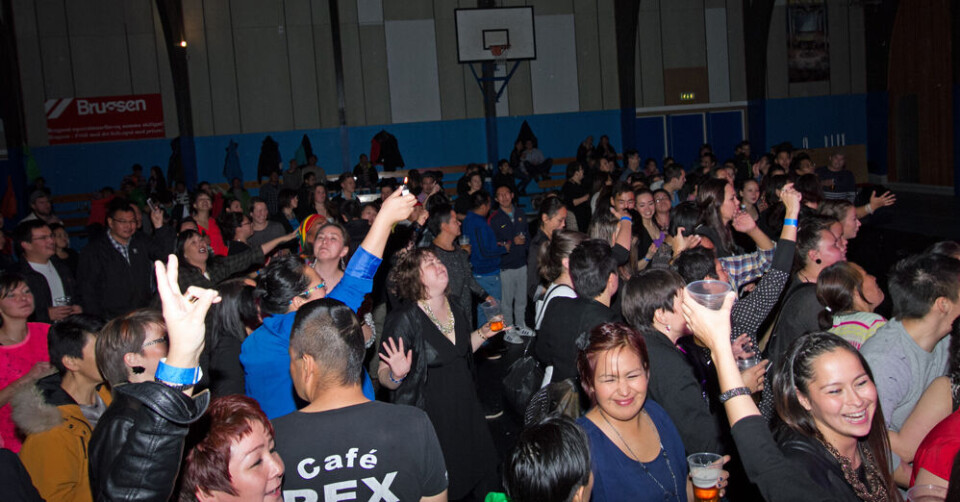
(55, 450)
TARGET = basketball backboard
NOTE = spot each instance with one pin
(479, 30)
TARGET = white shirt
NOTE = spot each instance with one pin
(53, 279)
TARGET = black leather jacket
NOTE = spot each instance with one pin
(822, 467)
(137, 445)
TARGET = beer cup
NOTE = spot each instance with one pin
(705, 470)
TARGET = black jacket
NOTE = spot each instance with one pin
(109, 286)
(219, 268)
(406, 325)
(136, 447)
(817, 463)
(564, 322)
(42, 298)
(674, 384)
(779, 478)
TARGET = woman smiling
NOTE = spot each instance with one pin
(833, 427)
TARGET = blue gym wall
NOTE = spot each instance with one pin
(88, 167)
(862, 117)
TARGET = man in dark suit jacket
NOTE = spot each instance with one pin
(49, 279)
(116, 268)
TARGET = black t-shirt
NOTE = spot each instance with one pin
(369, 451)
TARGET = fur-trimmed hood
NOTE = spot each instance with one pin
(45, 406)
(33, 408)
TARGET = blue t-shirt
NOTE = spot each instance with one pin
(265, 353)
(617, 477)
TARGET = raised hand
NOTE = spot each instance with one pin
(887, 199)
(681, 243)
(39, 370)
(619, 214)
(397, 207)
(183, 314)
(712, 327)
(398, 361)
(791, 199)
(743, 222)
(156, 217)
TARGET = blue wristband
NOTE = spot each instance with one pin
(790, 222)
(172, 374)
(626, 218)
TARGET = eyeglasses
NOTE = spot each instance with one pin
(306, 294)
(46, 237)
(162, 339)
(661, 199)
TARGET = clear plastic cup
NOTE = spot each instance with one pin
(926, 493)
(710, 294)
(705, 470)
(491, 311)
(745, 364)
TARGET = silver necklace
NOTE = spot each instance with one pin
(666, 494)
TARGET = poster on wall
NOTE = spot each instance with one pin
(112, 118)
(808, 49)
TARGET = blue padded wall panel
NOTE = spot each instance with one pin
(650, 138)
(724, 131)
(685, 137)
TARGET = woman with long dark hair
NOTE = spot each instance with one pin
(228, 323)
(196, 268)
(554, 265)
(551, 217)
(833, 427)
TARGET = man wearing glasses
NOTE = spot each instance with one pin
(50, 279)
(116, 267)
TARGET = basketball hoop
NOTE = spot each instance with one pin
(500, 53)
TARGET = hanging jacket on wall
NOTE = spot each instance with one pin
(385, 150)
(231, 164)
(269, 158)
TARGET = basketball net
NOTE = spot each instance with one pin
(500, 56)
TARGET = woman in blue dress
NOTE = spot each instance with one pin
(635, 450)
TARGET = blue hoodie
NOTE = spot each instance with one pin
(265, 354)
(485, 252)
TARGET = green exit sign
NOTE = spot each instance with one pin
(687, 96)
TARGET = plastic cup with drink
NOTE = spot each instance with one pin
(705, 470)
(491, 310)
(710, 294)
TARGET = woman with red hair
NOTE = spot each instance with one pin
(236, 459)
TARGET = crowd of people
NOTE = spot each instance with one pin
(320, 340)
